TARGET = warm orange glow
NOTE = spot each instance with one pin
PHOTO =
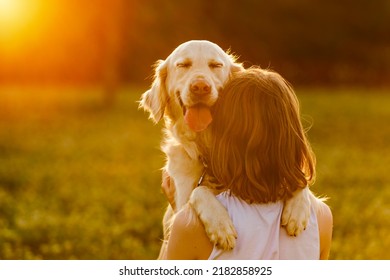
(62, 39)
(18, 24)
(13, 15)
(17, 19)
(8, 9)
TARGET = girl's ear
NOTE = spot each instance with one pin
(155, 99)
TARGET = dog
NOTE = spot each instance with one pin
(186, 85)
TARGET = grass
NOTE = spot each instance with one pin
(350, 136)
(79, 180)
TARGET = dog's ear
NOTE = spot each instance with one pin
(155, 99)
(234, 65)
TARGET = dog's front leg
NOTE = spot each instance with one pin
(215, 218)
(296, 212)
(184, 171)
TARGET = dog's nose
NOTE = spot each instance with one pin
(200, 87)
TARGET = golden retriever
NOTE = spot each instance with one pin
(185, 86)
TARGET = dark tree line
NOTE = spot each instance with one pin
(310, 42)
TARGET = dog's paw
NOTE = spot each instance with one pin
(296, 213)
(222, 234)
(215, 218)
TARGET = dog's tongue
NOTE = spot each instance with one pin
(198, 117)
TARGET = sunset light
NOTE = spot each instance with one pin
(11, 12)
(55, 36)
(8, 8)
(16, 17)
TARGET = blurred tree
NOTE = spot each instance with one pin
(113, 21)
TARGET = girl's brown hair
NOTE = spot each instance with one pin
(259, 149)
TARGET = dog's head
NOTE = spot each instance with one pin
(188, 82)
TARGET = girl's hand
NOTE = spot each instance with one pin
(168, 188)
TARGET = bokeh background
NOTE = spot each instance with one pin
(79, 163)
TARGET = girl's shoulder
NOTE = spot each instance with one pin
(188, 238)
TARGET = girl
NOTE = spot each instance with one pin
(260, 155)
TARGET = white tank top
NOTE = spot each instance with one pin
(261, 237)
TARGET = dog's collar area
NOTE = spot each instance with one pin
(203, 161)
(201, 178)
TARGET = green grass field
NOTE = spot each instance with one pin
(79, 180)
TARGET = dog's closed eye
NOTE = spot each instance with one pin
(184, 64)
(214, 65)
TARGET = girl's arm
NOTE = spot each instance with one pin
(325, 225)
